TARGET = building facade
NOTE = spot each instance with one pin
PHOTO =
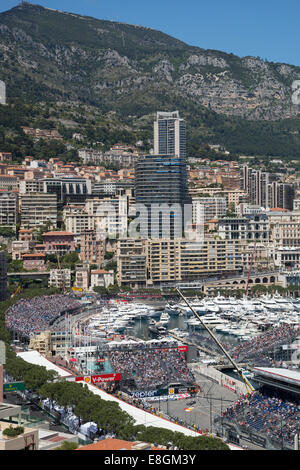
(92, 248)
(60, 278)
(170, 135)
(101, 278)
(181, 260)
(248, 227)
(9, 209)
(207, 208)
(58, 242)
(131, 263)
(38, 209)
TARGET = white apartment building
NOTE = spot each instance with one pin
(8, 209)
(82, 277)
(101, 278)
(37, 209)
(108, 216)
(287, 258)
(250, 227)
(19, 248)
(285, 228)
(59, 278)
(31, 186)
(207, 208)
(296, 204)
(77, 220)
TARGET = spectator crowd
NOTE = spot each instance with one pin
(259, 351)
(272, 416)
(151, 367)
(28, 316)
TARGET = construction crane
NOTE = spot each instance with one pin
(19, 288)
(249, 387)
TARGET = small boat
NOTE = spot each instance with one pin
(157, 329)
(164, 318)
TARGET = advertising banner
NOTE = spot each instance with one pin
(93, 379)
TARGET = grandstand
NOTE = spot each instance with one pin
(151, 366)
(279, 379)
(269, 417)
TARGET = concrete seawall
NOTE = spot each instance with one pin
(230, 383)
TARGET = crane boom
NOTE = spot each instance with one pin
(248, 385)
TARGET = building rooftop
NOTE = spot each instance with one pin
(284, 375)
(99, 271)
(54, 234)
(278, 209)
(118, 444)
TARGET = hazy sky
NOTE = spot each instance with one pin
(265, 28)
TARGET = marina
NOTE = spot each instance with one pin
(234, 322)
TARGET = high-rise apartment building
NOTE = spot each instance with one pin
(255, 183)
(170, 135)
(161, 179)
(206, 208)
(131, 259)
(37, 209)
(8, 209)
(92, 248)
(281, 195)
(263, 189)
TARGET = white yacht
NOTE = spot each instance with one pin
(296, 304)
(192, 322)
(223, 303)
(199, 307)
(257, 305)
(211, 306)
(164, 318)
(211, 320)
(270, 304)
(171, 309)
(284, 303)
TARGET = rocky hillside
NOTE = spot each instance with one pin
(52, 55)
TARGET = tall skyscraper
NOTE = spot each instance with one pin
(170, 135)
(281, 195)
(256, 184)
(161, 179)
(263, 189)
(3, 276)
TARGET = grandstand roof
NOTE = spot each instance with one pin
(284, 375)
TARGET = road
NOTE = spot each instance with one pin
(210, 402)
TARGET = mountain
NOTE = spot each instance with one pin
(62, 55)
(53, 56)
